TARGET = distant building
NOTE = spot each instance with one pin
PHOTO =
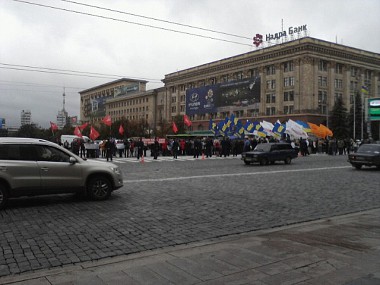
(93, 100)
(2, 123)
(26, 117)
(62, 119)
(299, 79)
(3, 129)
(63, 116)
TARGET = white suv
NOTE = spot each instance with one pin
(38, 167)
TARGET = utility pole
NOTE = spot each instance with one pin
(354, 116)
(362, 115)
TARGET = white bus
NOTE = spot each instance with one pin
(70, 138)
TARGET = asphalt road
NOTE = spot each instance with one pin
(165, 203)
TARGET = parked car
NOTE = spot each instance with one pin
(266, 153)
(367, 154)
(31, 167)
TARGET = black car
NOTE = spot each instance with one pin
(266, 153)
(367, 154)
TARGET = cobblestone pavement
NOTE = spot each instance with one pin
(167, 204)
(342, 250)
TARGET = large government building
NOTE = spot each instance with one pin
(298, 80)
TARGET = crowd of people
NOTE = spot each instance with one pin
(209, 146)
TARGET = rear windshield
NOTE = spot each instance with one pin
(263, 147)
(369, 148)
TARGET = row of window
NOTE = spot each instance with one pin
(129, 102)
(132, 117)
(128, 111)
(182, 108)
(271, 70)
(288, 81)
(288, 96)
(182, 99)
(287, 67)
(271, 111)
(354, 71)
(103, 93)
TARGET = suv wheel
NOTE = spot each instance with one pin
(3, 196)
(247, 162)
(358, 166)
(99, 188)
(288, 160)
(264, 161)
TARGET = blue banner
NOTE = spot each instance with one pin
(201, 100)
(208, 99)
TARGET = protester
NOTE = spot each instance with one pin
(140, 148)
(109, 146)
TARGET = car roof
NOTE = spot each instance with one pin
(7, 140)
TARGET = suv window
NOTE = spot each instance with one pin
(263, 147)
(274, 147)
(17, 152)
(284, 146)
(48, 153)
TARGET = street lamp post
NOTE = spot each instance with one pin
(362, 115)
(354, 117)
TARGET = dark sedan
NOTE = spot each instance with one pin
(266, 153)
(367, 154)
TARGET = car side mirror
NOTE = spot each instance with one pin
(72, 160)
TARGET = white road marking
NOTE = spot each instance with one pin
(232, 174)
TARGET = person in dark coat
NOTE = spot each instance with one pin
(197, 147)
(156, 148)
(140, 148)
(110, 146)
(209, 145)
(175, 148)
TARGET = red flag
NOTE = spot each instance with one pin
(77, 132)
(82, 127)
(175, 129)
(107, 120)
(53, 126)
(93, 134)
(121, 129)
(186, 120)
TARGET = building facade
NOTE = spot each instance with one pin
(143, 107)
(297, 80)
(26, 117)
(93, 100)
(62, 118)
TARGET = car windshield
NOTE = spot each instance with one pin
(263, 147)
(369, 148)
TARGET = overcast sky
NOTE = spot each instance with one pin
(60, 41)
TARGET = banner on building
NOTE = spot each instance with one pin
(210, 98)
(125, 90)
(97, 106)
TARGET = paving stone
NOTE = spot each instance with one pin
(173, 274)
(146, 276)
(149, 215)
(202, 272)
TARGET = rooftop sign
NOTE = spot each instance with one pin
(258, 39)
